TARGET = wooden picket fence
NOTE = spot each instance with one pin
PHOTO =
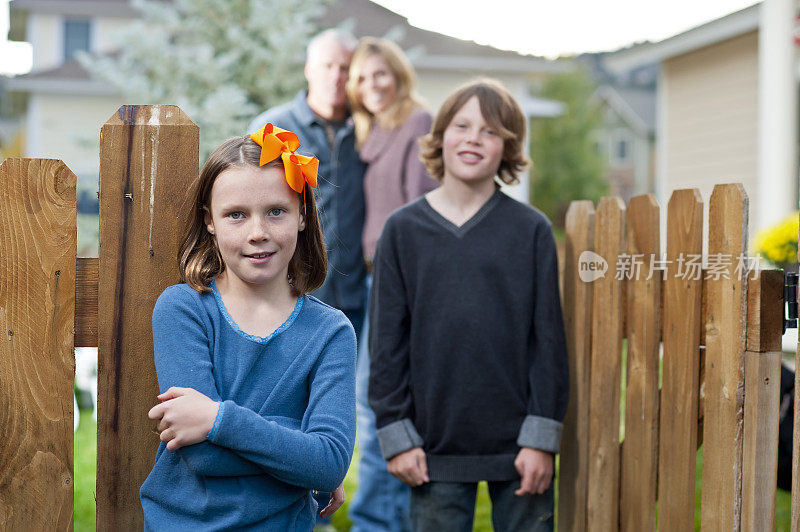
(721, 342)
(703, 368)
(50, 302)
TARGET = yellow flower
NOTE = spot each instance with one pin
(778, 244)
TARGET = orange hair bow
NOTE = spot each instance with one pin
(275, 142)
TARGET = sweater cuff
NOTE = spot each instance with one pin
(398, 437)
(540, 433)
(217, 421)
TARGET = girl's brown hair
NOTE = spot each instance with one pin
(199, 259)
(406, 99)
(500, 110)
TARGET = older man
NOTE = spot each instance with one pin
(321, 119)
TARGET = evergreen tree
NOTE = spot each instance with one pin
(566, 166)
(221, 62)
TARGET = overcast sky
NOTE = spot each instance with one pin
(538, 27)
(554, 27)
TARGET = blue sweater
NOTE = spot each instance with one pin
(286, 423)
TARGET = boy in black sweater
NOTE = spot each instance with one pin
(468, 371)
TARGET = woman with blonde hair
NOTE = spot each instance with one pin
(389, 120)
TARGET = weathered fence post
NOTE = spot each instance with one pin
(606, 360)
(762, 383)
(723, 412)
(37, 365)
(577, 303)
(639, 466)
(681, 336)
(148, 161)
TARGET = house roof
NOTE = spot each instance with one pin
(727, 27)
(68, 78)
(636, 106)
(101, 8)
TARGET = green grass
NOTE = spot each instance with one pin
(85, 471)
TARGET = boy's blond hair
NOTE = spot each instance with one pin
(500, 110)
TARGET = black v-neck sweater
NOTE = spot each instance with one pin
(467, 346)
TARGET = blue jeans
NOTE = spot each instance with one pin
(357, 318)
(450, 507)
(381, 502)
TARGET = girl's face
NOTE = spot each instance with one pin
(471, 149)
(255, 218)
(377, 85)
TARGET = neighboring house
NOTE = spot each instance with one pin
(627, 138)
(709, 113)
(66, 108)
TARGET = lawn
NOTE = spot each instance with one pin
(86, 451)
(85, 472)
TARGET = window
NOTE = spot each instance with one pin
(622, 149)
(619, 148)
(76, 37)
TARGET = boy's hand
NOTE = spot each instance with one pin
(185, 417)
(337, 499)
(411, 467)
(536, 469)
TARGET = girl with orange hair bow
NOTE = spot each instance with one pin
(257, 403)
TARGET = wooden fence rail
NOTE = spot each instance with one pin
(700, 353)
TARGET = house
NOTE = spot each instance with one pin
(627, 138)
(727, 107)
(66, 107)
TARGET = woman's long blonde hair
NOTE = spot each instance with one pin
(406, 99)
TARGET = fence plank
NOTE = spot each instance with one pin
(37, 302)
(640, 449)
(765, 310)
(148, 159)
(606, 358)
(680, 374)
(86, 302)
(577, 301)
(724, 370)
(760, 454)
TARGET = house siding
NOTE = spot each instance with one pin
(68, 128)
(710, 131)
